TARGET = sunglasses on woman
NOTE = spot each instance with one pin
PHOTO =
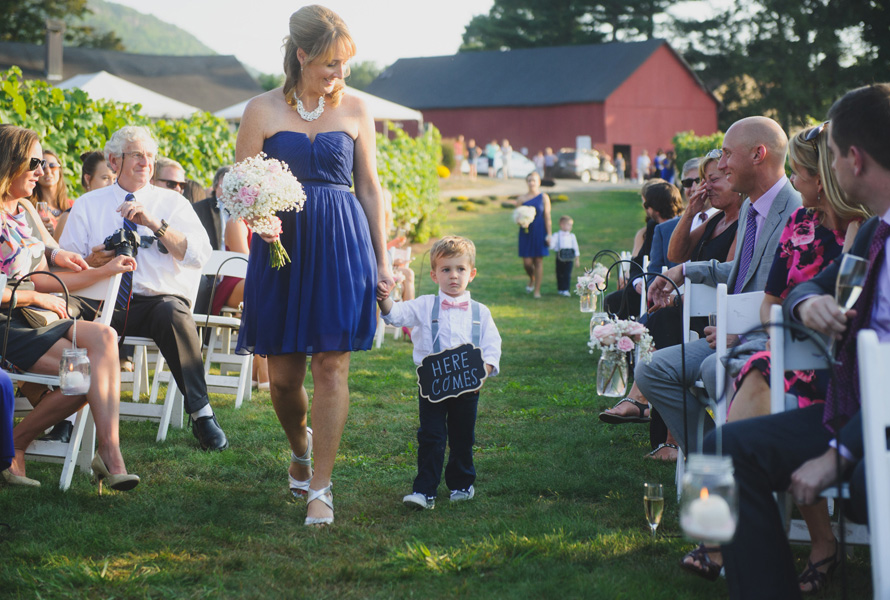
(37, 162)
(715, 153)
(689, 182)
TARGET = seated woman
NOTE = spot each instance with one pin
(230, 293)
(52, 189)
(39, 350)
(816, 234)
(715, 240)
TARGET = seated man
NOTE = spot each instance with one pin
(154, 302)
(804, 447)
(753, 159)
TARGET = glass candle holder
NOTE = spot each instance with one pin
(588, 301)
(709, 504)
(74, 371)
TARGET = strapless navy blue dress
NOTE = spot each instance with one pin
(324, 299)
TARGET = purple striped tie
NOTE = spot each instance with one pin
(747, 250)
(843, 391)
(123, 293)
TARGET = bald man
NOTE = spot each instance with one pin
(753, 159)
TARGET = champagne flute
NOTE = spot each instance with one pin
(43, 209)
(850, 278)
(653, 501)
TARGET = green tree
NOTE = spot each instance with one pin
(361, 74)
(787, 59)
(25, 21)
(270, 81)
(534, 23)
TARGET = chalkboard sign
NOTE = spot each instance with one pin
(450, 373)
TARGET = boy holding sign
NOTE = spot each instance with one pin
(456, 345)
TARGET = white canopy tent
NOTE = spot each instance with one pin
(382, 110)
(106, 86)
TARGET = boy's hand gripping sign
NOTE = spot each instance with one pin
(450, 373)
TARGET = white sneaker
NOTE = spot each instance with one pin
(419, 501)
(461, 495)
(564, 293)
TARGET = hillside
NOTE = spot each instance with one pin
(144, 34)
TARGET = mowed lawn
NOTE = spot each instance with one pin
(558, 511)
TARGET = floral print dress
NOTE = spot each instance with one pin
(805, 248)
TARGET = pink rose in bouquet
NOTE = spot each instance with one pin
(625, 344)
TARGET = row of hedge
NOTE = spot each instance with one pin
(70, 123)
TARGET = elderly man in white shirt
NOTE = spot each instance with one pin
(155, 302)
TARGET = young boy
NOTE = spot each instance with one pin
(567, 253)
(451, 314)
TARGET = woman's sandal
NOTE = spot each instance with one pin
(654, 454)
(326, 496)
(705, 568)
(613, 419)
(301, 488)
(816, 578)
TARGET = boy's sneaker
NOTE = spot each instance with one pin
(564, 293)
(419, 501)
(461, 495)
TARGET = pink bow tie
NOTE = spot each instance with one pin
(446, 304)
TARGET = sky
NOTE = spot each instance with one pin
(383, 30)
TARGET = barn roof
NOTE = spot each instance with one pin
(524, 77)
(208, 82)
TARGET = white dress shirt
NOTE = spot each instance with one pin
(561, 240)
(455, 327)
(94, 217)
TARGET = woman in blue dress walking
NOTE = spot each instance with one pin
(534, 240)
(323, 303)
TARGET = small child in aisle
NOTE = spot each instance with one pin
(565, 244)
(441, 321)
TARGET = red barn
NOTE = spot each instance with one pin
(626, 96)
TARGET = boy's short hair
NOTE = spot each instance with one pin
(451, 246)
(566, 218)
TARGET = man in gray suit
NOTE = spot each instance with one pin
(753, 161)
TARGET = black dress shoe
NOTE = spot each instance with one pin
(210, 435)
(61, 432)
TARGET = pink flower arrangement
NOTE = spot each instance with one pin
(619, 337)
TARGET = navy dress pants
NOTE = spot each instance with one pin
(451, 421)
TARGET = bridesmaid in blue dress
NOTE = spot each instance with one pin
(534, 240)
(323, 303)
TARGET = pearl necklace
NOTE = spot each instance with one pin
(306, 115)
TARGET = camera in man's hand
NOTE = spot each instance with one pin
(123, 242)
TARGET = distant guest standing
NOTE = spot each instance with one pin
(472, 155)
(491, 153)
(535, 239)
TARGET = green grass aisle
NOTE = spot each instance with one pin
(558, 511)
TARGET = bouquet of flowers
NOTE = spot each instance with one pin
(255, 190)
(593, 280)
(618, 337)
(524, 215)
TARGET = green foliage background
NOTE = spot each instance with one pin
(70, 123)
(407, 168)
(687, 145)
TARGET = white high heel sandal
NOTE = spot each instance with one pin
(326, 496)
(301, 488)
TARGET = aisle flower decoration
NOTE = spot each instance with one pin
(255, 190)
(592, 280)
(615, 339)
(523, 216)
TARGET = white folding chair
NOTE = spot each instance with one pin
(79, 450)
(790, 352)
(736, 314)
(874, 358)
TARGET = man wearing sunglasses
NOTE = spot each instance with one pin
(154, 303)
(169, 174)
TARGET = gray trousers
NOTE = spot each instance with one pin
(662, 381)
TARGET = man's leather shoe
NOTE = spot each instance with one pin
(210, 435)
(61, 432)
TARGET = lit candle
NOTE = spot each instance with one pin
(708, 518)
(74, 383)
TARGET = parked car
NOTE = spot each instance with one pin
(520, 166)
(583, 164)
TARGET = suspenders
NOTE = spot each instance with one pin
(434, 316)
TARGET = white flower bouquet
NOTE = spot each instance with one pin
(619, 337)
(524, 215)
(255, 190)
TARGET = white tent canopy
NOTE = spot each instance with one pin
(382, 110)
(106, 86)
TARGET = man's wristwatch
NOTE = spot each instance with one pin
(162, 230)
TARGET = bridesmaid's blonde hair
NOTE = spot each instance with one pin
(320, 32)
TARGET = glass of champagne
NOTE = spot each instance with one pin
(850, 278)
(653, 501)
(43, 209)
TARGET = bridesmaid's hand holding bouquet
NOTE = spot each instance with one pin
(255, 190)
